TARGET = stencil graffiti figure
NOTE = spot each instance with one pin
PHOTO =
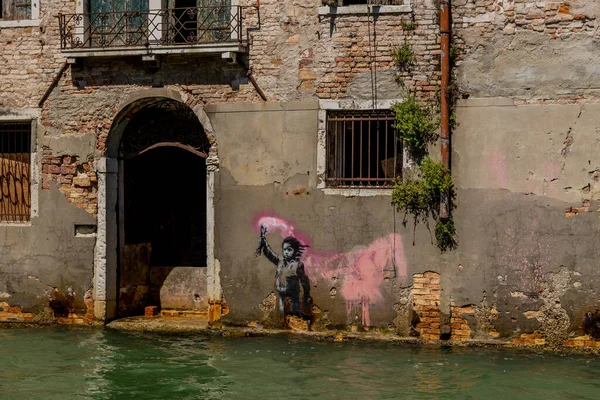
(290, 277)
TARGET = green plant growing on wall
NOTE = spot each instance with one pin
(408, 25)
(421, 194)
(416, 126)
(403, 56)
(445, 233)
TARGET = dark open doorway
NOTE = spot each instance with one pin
(186, 23)
(165, 197)
(162, 211)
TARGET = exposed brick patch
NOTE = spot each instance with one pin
(573, 211)
(352, 53)
(460, 327)
(582, 341)
(426, 293)
(10, 313)
(76, 179)
(534, 338)
(296, 323)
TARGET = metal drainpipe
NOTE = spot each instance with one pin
(445, 105)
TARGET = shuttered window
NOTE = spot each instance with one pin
(15, 10)
(15, 171)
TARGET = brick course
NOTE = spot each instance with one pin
(426, 294)
(75, 178)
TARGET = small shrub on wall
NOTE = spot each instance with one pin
(421, 193)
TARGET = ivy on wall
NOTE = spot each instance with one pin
(421, 192)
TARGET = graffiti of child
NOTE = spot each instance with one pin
(290, 276)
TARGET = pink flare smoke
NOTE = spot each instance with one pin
(274, 223)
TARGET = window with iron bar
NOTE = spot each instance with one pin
(362, 149)
(15, 171)
(340, 3)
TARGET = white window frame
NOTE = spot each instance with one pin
(27, 115)
(333, 105)
(25, 23)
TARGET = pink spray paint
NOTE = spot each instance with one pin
(360, 270)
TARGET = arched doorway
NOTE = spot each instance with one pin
(162, 201)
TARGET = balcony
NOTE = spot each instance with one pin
(212, 30)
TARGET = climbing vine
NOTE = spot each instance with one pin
(416, 125)
(421, 194)
(423, 190)
(403, 57)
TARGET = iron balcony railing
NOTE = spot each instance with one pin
(172, 26)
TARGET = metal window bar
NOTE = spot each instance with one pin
(138, 28)
(373, 2)
(15, 171)
(362, 149)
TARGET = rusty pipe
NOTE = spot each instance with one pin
(55, 81)
(255, 84)
(445, 103)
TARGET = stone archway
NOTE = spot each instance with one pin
(110, 185)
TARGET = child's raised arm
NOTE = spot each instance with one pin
(266, 249)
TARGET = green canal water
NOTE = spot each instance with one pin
(81, 363)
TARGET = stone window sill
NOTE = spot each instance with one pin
(26, 224)
(357, 192)
(361, 9)
(23, 23)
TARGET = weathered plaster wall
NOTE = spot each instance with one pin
(527, 216)
(532, 51)
(523, 270)
(546, 150)
(338, 229)
(45, 269)
(523, 160)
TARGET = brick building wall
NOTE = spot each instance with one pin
(521, 53)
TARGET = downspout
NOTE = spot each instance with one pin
(247, 67)
(445, 105)
(55, 81)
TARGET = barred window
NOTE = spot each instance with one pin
(362, 149)
(336, 3)
(15, 171)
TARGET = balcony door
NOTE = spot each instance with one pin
(199, 21)
(118, 22)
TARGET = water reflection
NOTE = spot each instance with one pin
(65, 363)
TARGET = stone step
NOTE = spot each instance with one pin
(184, 313)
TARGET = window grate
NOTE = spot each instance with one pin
(15, 171)
(362, 149)
(372, 2)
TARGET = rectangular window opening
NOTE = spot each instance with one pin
(371, 2)
(15, 171)
(362, 149)
(14, 10)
